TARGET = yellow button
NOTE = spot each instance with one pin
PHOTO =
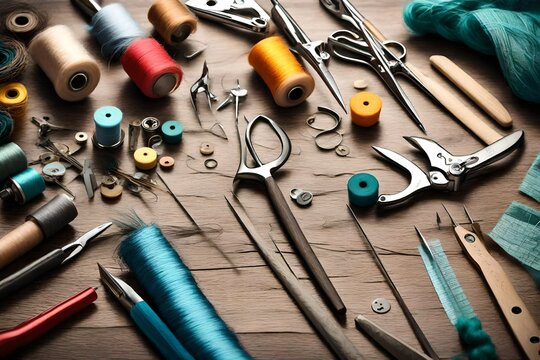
(365, 108)
(145, 158)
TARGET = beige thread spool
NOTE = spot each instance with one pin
(74, 73)
(42, 224)
(172, 20)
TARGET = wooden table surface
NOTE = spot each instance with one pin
(243, 290)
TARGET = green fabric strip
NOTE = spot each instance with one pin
(518, 233)
(531, 184)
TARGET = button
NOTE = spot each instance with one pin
(166, 162)
(343, 150)
(360, 84)
(54, 169)
(380, 305)
(302, 198)
(207, 149)
(113, 193)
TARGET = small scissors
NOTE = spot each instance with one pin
(447, 171)
(365, 48)
(264, 173)
(311, 51)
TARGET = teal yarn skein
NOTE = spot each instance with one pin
(475, 340)
(508, 29)
(6, 126)
(181, 304)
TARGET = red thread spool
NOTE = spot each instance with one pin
(151, 68)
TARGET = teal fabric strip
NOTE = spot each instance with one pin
(518, 233)
(531, 184)
(444, 280)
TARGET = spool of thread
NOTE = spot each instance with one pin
(12, 160)
(115, 29)
(151, 68)
(286, 78)
(74, 73)
(23, 187)
(172, 131)
(363, 190)
(145, 158)
(13, 59)
(365, 108)
(6, 125)
(108, 134)
(21, 20)
(42, 224)
(14, 97)
(181, 304)
(172, 20)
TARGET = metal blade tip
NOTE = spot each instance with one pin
(450, 215)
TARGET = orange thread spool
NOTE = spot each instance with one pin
(365, 108)
(286, 78)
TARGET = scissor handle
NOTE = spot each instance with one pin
(262, 171)
(350, 42)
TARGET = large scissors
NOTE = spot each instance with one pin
(364, 47)
(264, 173)
(311, 51)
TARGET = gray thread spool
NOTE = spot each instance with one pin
(12, 160)
(54, 215)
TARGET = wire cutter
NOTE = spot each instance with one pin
(48, 262)
(146, 319)
(447, 171)
(311, 51)
(364, 48)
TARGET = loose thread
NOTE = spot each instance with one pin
(13, 59)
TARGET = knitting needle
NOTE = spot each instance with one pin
(410, 318)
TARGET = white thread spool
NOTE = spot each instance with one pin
(73, 71)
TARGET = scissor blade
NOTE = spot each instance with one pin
(81, 242)
(119, 288)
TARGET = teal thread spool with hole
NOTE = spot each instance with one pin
(12, 161)
(108, 134)
(172, 131)
(363, 190)
(24, 186)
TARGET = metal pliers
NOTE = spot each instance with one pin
(447, 172)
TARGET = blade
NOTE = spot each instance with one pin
(119, 288)
(79, 244)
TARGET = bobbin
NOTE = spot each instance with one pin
(23, 187)
(150, 127)
(108, 134)
(172, 20)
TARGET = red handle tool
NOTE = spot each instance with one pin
(28, 331)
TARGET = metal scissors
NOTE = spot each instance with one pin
(264, 173)
(48, 262)
(447, 171)
(364, 47)
(311, 51)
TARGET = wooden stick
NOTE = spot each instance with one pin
(472, 89)
(513, 308)
(325, 324)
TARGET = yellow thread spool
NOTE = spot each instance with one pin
(286, 78)
(14, 97)
(365, 108)
(172, 20)
(145, 158)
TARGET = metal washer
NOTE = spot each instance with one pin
(343, 150)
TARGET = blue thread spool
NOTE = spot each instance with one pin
(115, 29)
(12, 160)
(363, 190)
(24, 187)
(109, 134)
(172, 132)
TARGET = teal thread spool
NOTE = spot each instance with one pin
(108, 134)
(172, 131)
(23, 187)
(12, 160)
(363, 190)
(6, 125)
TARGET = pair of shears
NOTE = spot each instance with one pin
(312, 52)
(364, 47)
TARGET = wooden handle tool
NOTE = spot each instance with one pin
(472, 89)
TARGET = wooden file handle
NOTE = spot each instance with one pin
(513, 308)
(288, 220)
(19, 241)
(457, 108)
(472, 89)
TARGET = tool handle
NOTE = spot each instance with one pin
(19, 241)
(30, 272)
(392, 344)
(28, 331)
(513, 308)
(472, 89)
(288, 220)
(158, 333)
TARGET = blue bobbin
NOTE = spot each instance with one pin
(363, 190)
(108, 134)
(172, 131)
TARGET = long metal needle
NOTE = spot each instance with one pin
(410, 318)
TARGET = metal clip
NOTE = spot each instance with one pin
(243, 14)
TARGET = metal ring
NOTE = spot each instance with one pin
(211, 163)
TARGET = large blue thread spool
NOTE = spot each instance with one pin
(24, 186)
(108, 134)
(12, 160)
